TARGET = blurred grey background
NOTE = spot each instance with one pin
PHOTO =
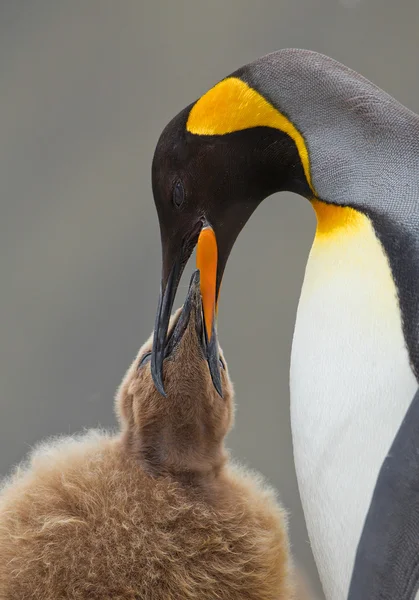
(86, 88)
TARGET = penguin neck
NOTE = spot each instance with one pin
(351, 383)
(362, 144)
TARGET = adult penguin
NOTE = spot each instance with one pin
(299, 121)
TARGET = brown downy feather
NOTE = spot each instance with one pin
(157, 512)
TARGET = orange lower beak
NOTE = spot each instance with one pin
(206, 262)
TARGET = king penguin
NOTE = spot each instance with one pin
(298, 121)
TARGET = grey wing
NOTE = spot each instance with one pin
(387, 560)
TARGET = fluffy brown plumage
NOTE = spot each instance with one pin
(156, 512)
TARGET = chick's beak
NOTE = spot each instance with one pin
(173, 265)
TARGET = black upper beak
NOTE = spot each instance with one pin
(163, 345)
(166, 299)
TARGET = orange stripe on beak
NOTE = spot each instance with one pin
(206, 262)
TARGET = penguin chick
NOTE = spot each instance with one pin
(156, 512)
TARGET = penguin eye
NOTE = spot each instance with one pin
(178, 194)
(144, 360)
(222, 365)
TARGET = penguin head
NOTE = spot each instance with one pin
(211, 169)
(184, 431)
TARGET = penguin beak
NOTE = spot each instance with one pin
(207, 263)
(191, 316)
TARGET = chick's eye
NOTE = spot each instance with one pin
(178, 194)
(144, 360)
(222, 365)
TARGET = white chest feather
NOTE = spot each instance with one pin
(351, 385)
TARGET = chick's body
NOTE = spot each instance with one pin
(154, 512)
(86, 522)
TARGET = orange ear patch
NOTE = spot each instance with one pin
(232, 105)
